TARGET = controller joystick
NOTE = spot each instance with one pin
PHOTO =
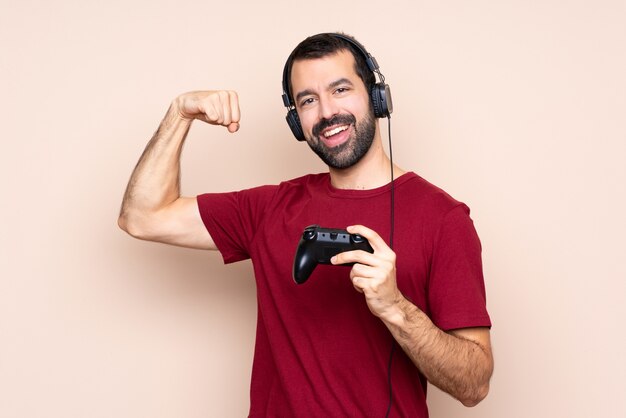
(318, 245)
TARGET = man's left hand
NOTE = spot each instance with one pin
(374, 275)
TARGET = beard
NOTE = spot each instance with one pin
(350, 152)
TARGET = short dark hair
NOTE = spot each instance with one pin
(324, 44)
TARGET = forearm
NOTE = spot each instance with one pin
(459, 366)
(458, 362)
(155, 181)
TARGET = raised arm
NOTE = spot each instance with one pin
(153, 208)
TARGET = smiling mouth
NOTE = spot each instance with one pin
(335, 131)
(329, 129)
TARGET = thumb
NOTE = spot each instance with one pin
(233, 127)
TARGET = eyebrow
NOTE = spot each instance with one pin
(330, 86)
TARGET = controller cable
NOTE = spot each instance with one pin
(393, 341)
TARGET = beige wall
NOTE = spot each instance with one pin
(517, 108)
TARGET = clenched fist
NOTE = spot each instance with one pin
(217, 107)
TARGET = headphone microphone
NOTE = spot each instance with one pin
(380, 95)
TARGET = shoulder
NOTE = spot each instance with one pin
(307, 185)
(268, 192)
(418, 192)
(275, 195)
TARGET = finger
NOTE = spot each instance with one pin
(232, 112)
(375, 240)
(357, 288)
(224, 100)
(212, 110)
(364, 271)
(235, 112)
(233, 127)
(356, 256)
(363, 285)
(216, 108)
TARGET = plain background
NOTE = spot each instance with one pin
(515, 107)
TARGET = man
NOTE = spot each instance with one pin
(326, 348)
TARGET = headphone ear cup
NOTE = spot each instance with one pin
(294, 124)
(381, 100)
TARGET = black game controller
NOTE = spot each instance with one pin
(318, 245)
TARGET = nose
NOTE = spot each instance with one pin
(327, 108)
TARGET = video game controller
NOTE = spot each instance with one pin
(318, 245)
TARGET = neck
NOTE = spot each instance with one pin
(372, 171)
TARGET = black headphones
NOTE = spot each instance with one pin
(380, 95)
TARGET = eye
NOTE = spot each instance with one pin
(306, 101)
(341, 90)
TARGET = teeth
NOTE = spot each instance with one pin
(335, 131)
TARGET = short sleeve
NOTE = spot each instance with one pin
(233, 218)
(456, 289)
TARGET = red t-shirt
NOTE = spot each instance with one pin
(319, 350)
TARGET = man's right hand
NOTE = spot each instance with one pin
(216, 107)
(153, 208)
